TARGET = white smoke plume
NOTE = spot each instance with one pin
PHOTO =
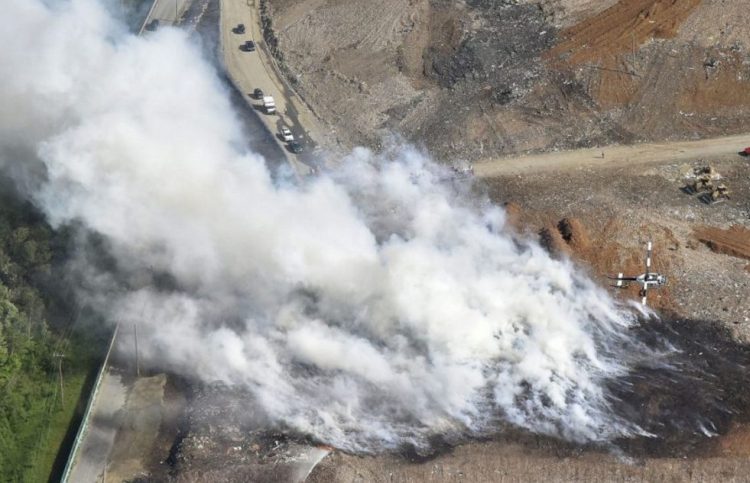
(368, 308)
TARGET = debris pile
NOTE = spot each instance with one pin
(227, 438)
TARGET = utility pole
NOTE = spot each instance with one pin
(60, 373)
(135, 337)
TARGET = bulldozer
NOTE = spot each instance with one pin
(700, 184)
(720, 193)
(702, 181)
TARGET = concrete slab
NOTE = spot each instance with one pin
(98, 441)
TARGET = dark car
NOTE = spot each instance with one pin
(258, 93)
(295, 147)
(248, 46)
(239, 29)
(152, 25)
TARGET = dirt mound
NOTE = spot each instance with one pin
(734, 241)
(737, 441)
(620, 28)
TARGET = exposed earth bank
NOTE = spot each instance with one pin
(475, 79)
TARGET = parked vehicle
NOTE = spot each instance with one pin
(258, 93)
(746, 151)
(295, 147)
(248, 46)
(286, 135)
(239, 29)
(269, 105)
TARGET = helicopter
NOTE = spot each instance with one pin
(646, 280)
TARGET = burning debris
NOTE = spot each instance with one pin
(227, 438)
(328, 315)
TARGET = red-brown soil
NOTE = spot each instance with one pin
(621, 28)
(734, 241)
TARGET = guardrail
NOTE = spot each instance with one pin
(85, 421)
(148, 16)
(172, 17)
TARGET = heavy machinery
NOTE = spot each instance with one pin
(718, 194)
(702, 180)
(700, 184)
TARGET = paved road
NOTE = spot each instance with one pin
(97, 443)
(250, 70)
(614, 156)
(167, 12)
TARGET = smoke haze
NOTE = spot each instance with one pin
(368, 308)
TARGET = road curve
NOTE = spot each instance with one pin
(250, 70)
(613, 156)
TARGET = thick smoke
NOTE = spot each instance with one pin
(368, 308)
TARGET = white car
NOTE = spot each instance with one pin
(286, 135)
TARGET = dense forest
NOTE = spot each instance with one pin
(50, 349)
(47, 356)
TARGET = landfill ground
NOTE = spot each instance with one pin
(600, 217)
(700, 246)
(488, 80)
(478, 79)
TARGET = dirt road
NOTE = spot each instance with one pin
(614, 156)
